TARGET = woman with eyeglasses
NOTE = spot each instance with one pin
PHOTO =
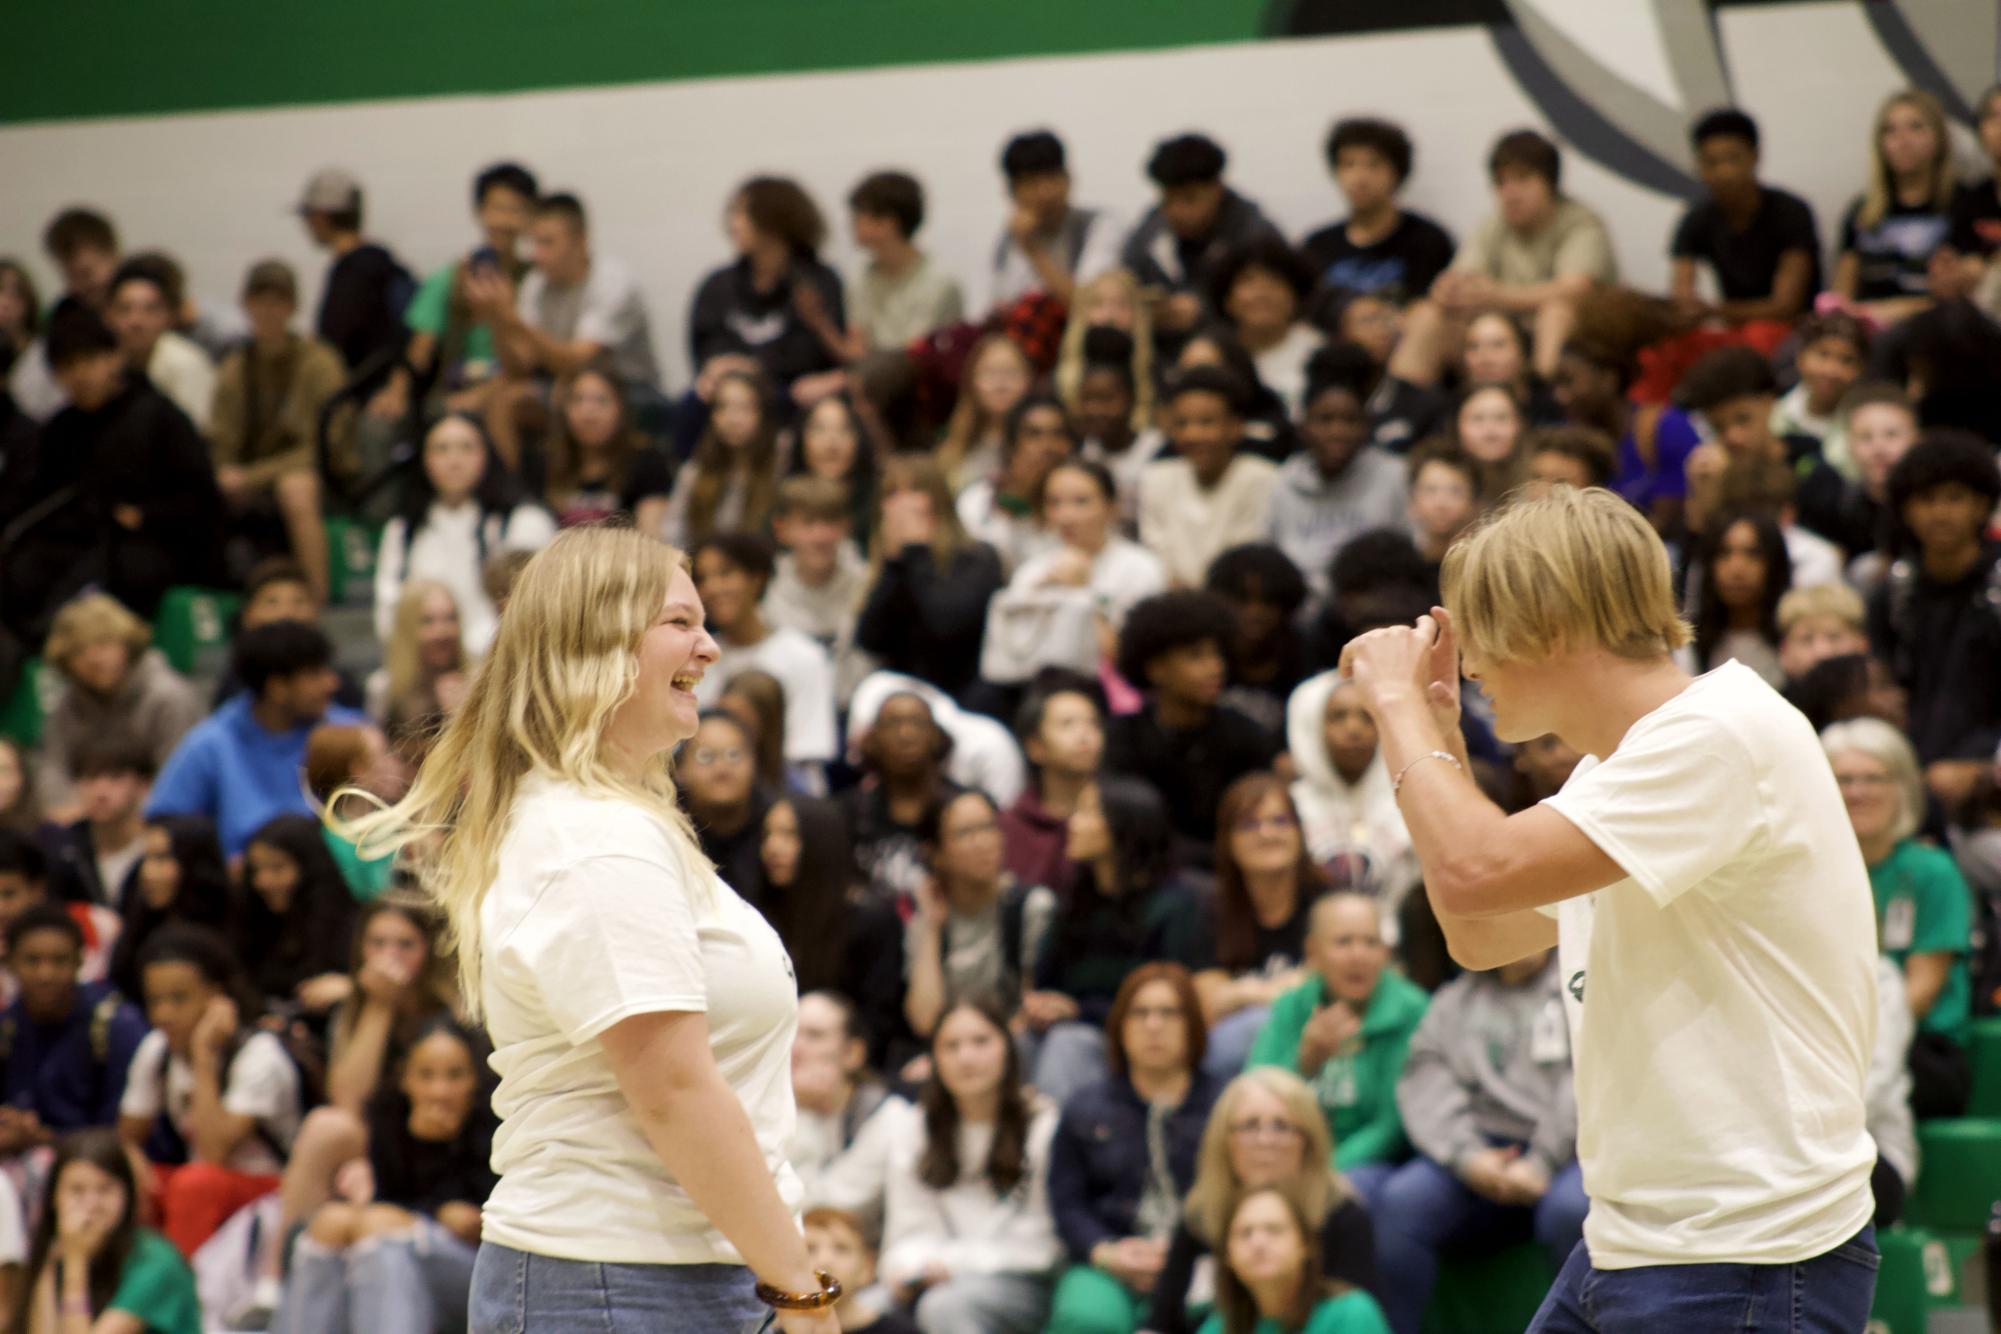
(717, 772)
(1124, 1154)
(1266, 1130)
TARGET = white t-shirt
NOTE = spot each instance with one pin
(598, 914)
(801, 667)
(261, 1082)
(607, 308)
(1123, 574)
(1723, 997)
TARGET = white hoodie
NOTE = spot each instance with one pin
(1339, 817)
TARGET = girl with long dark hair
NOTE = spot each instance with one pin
(1744, 571)
(181, 878)
(731, 482)
(296, 924)
(601, 464)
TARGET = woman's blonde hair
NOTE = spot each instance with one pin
(969, 423)
(564, 660)
(1566, 569)
(919, 472)
(1881, 194)
(401, 658)
(1214, 1195)
(94, 618)
(1070, 366)
(1887, 746)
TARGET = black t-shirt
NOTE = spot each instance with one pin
(361, 311)
(1401, 267)
(649, 476)
(1747, 262)
(1976, 218)
(1190, 767)
(423, 1175)
(1894, 253)
(1275, 949)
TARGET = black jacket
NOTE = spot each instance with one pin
(729, 314)
(926, 622)
(1154, 253)
(1943, 642)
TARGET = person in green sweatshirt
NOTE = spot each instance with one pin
(1346, 1030)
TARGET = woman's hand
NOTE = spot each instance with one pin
(461, 1220)
(217, 1025)
(354, 1181)
(81, 1230)
(320, 994)
(1393, 664)
(1045, 1009)
(382, 980)
(1069, 568)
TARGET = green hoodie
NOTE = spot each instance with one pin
(1357, 1089)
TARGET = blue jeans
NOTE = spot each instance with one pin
(1422, 1211)
(414, 1284)
(1230, 1041)
(1829, 1294)
(517, 1293)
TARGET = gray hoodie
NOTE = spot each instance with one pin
(155, 707)
(1492, 1062)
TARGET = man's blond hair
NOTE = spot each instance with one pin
(1566, 570)
(1837, 602)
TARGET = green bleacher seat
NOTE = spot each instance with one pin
(21, 719)
(351, 545)
(1959, 1173)
(1901, 1298)
(1499, 1292)
(192, 622)
(1983, 1051)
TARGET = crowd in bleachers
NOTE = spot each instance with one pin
(1122, 1003)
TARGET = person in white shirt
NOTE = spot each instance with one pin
(1079, 506)
(642, 1013)
(732, 570)
(967, 1230)
(1714, 922)
(1049, 244)
(141, 312)
(464, 507)
(1262, 287)
(1211, 498)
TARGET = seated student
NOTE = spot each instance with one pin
(1570, 456)
(1592, 381)
(366, 289)
(1346, 1029)
(181, 878)
(399, 1253)
(776, 308)
(68, 1042)
(94, 860)
(1268, 655)
(716, 774)
(464, 505)
(1759, 242)
(819, 577)
(1124, 1154)
(1339, 484)
(1931, 618)
(1539, 254)
(1879, 427)
(1487, 423)
(599, 462)
(757, 700)
(996, 377)
(295, 926)
(1444, 498)
(1124, 906)
(1817, 623)
(1923, 909)
(1179, 244)
(1903, 216)
(1077, 504)
(837, 1244)
(211, 1100)
(903, 293)
(1485, 1097)
(839, 445)
(927, 602)
(732, 571)
(1113, 408)
(240, 766)
(902, 752)
(144, 297)
(1000, 509)
(1408, 405)
(1381, 248)
(113, 682)
(1269, 1281)
(1741, 562)
(1049, 244)
(425, 668)
(1265, 1131)
(573, 307)
(1348, 813)
(83, 246)
(1210, 497)
(1833, 350)
(836, 1091)
(1255, 950)
(1765, 485)
(967, 1235)
(451, 358)
(1734, 389)
(1184, 739)
(977, 931)
(125, 478)
(1853, 685)
(277, 589)
(265, 428)
(1262, 288)
(92, 1266)
(24, 884)
(1267, 418)
(728, 484)
(1061, 728)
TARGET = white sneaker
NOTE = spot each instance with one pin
(256, 1313)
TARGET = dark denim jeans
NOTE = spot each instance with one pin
(1828, 1294)
(517, 1293)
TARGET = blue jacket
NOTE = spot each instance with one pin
(238, 774)
(71, 1073)
(1098, 1162)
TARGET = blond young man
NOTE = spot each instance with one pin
(1817, 623)
(1710, 909)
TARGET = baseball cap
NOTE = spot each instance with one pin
(331, 190)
